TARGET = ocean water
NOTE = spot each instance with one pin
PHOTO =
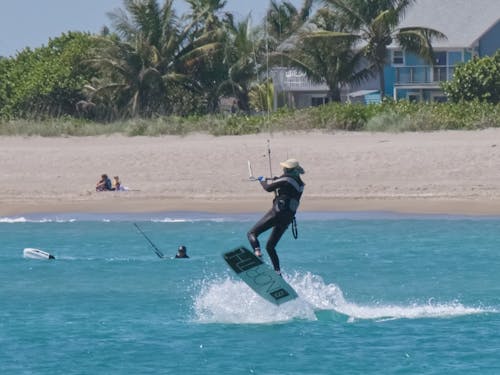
(378, 294)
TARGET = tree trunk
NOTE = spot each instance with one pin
(382, 81)
(334, 93)
(244, 102)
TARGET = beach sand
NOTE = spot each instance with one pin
(449, 172)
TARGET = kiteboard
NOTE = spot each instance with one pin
(36, 254)
(259, 276)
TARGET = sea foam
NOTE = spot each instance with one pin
(230, 300)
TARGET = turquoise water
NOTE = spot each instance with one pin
(379, 294)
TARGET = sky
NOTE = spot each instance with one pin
(31, 23)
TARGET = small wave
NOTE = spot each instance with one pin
(324, 296)
(173, 217)
(414, 311)
(13, 220)
(188, 220)
(41, 220)
(172, 220)
(227, 300)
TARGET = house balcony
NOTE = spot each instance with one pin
(422, 74)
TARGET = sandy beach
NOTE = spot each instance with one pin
(452, 172)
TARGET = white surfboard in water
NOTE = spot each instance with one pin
(32, 253)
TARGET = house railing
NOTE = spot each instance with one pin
(423, 74)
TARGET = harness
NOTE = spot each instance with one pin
(291, 203)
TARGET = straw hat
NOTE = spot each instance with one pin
(292, 164)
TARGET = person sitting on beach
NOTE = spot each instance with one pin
(117, 185)
(182, 252)
(104, 184)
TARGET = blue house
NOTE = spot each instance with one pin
(472, 28)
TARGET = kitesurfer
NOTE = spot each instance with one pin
(288, 190)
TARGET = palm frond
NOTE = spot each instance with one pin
(401, 6)
(324, 34)
(347, 9)
(122, 24)
(384, 21)
(419, 41)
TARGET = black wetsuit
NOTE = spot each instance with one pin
(288, 189)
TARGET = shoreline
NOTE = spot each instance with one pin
(228, 206)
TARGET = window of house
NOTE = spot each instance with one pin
(440, 58)
(316, 101)
(398, 57)
(413, 97)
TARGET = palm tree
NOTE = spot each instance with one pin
(375, 24)
(333, 62)
(210, 71)
(244, 51)
(149, 57)
(326, 56)
(126, 83)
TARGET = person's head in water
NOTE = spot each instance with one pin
(181, 252)
(292, 167)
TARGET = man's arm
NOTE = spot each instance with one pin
(270, 186)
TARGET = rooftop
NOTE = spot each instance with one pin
(462, 21)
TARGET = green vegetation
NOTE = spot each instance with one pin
(390, 116)
(48, 81)
(158, 73)
(154, 63)
(478, 79)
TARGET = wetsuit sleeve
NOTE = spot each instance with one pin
(271, 186)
